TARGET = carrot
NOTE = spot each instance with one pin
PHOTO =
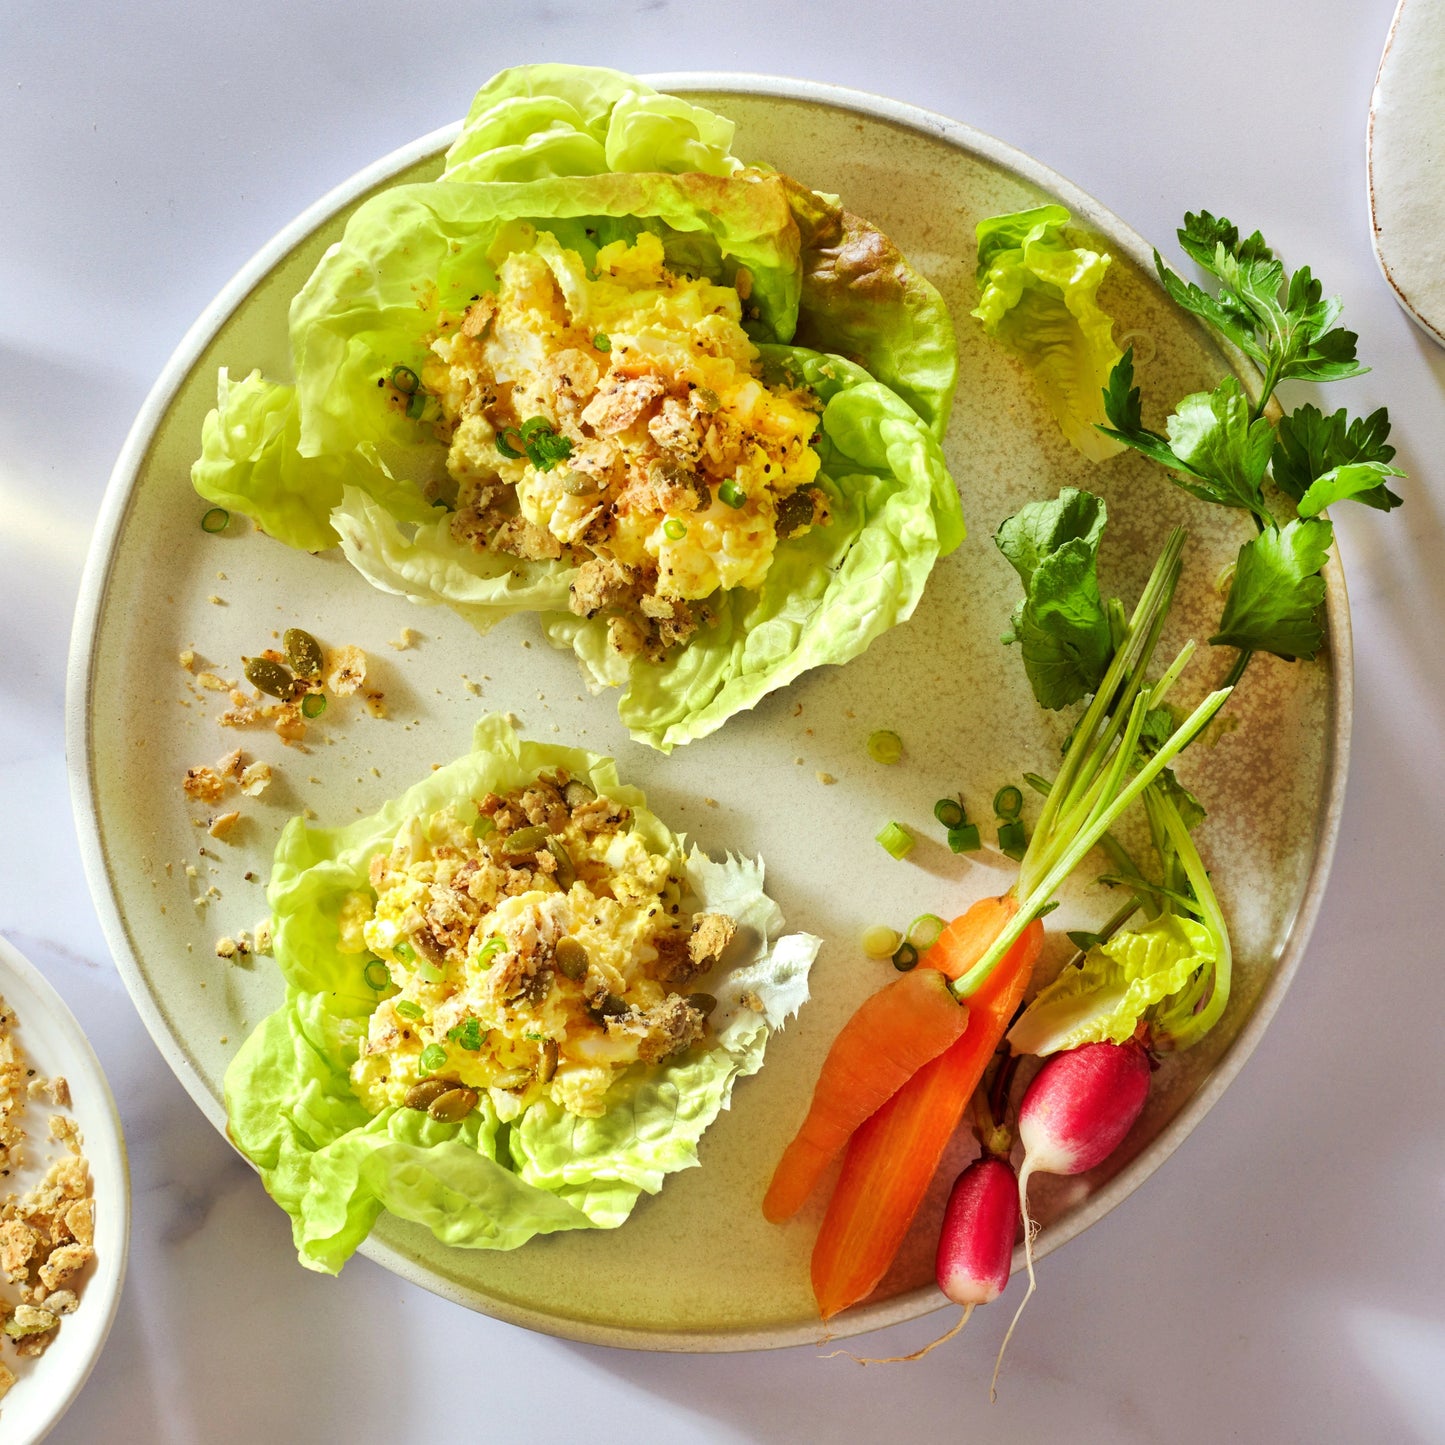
(892, 1035)
(893, 1156)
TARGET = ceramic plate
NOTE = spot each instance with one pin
(53, 1044)
(696, 1267)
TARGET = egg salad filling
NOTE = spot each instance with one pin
(616, 416)
(535, 949)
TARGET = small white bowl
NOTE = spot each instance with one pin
(54, 1044)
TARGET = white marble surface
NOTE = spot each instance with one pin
(1281, 1277)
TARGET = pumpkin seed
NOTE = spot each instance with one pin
(525, 840)
(576, 793)
(454, 1105)
(269, 677)
(303, 652)
(566, 871)
(548, 1066)
(571, 959)
(513, 1079)
(424, 1094)
(704, 1003)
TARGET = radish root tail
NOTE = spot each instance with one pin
(943, 1339)
(1031, 1230)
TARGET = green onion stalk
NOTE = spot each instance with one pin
(1094, 787)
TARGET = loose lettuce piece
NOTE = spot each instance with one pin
(249, 463)
(1104, 999)
(479, 1184)
(577, 120)
(1038, 295)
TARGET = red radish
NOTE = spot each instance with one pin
(976, 1243)
(1074, 1114)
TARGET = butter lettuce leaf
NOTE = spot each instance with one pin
(333, 1166)
(1038, 296)
(249, 463)
(1103, 1000)
(579, 120)
(829, 593)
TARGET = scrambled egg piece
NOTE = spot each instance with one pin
(616, 417)
(533, 952)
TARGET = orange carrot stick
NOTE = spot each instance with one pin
(892, 1035)
(893, 1156)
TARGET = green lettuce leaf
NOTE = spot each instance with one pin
(333, 1166)
(411, 252)
(1038, 295)
(250, 463)
(1104, 999)
(1061, 624)
(829, 593)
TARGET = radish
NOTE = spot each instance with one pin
(1074, 1114)
(976, 1243)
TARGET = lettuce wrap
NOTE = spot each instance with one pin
(589, 158)
(481, 1183)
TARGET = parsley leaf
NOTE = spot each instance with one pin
(1327, 458)
(1062, 624)
(1284, 324)
(1223, 452)
(1274, 602)
(1122, 407)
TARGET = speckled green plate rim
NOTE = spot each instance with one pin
(81, 671)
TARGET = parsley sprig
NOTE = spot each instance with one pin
(1221, 447)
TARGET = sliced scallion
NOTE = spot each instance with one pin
(506, 447)
(377, 975)
(428, 972)
(965, 838)
(216, 520)
(602, 341)
(897, 841)
(405, 380)
(880, 941)
(409, 1010)
(483, 824)
(1011, 839)
(884, 746)
(313, 704)
(1008, 803)
(924, 931)
(416, 404)
(490, 949)
(433, 1057)
(731, 495)
(905, 958)
(949, 812)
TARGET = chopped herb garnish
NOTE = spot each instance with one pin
(896, 840)
(433, 1057)
(377, 975)
(731, 495)
(313, 704)
(216, 520)
(468, 1034)
(409, 1010)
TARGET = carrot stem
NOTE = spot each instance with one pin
(894, 1155)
